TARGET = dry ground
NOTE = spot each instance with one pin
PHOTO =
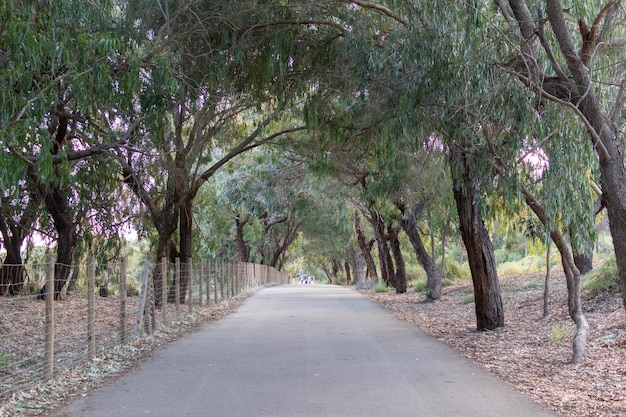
(530, 352)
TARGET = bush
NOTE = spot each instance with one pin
(603, 280)
(455, 273)
(419, 284)
(381, 287)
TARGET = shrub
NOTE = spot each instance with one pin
(603, 280)
(467, 299)
(454, 272)
(381, 287)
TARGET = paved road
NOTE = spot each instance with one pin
(307, 350)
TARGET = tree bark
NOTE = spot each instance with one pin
(396, 250)
(487, 295)
(242, 245)
(346, 266)
(13, 235)
(387, 271)
(433, 272)
(365, 248)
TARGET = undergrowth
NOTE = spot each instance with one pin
(603, 280)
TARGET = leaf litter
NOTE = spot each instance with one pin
(531, 352)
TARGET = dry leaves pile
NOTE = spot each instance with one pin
(530, 352)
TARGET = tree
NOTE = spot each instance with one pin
(598, 101)
(65, 94)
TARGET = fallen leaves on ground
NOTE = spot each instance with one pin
(531, 352)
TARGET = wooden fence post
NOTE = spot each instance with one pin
(200, 281)
(49, 296)
(164, 289)
(177, 287)
(215, 272)
(222, 279)
(190, 284)
(233, 275)
(91, 313)
(142, 298)
(208, 283)
(123, 295)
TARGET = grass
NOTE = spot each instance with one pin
(559, 333)
(381, 287)
(603, 279)
(467, 299)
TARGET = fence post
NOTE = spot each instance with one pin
(49, 296)
(200, 281)
(233, 276)
(221, 279)
(208, 283)
(177, 287)
(190, 284)
(91, 313)
(123, 295)
(215, 279)
(142, 298)
(164, 289)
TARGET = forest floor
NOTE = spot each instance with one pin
(531, 352)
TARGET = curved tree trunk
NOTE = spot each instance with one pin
(487, 295)
(574, 300)
(387, 271)
(366, 249)
(433, 272)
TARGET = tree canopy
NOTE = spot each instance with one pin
(335, 134)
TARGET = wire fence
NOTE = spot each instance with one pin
(111, 305)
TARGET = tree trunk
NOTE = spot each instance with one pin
(574, 299)
(346, 266)
(365, 248)
(71, 286)
(394, 242)
(242, 246)
(387, 271)
(13, 236)
(433, 271)
(185, 237)
(584, 262)
(487, 295)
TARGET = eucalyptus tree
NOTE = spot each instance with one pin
(574, 57)
(239, 69)
(19, 210)
(66, 90)
(269, 192)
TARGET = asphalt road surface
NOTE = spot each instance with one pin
(307, 350)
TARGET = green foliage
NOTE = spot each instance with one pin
(455, 273)
(603, 280)
(467, 299)
(382, 288)
(559, 334)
